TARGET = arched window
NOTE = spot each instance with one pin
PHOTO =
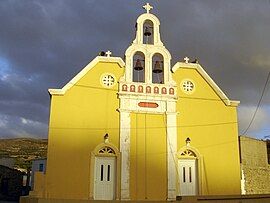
(158, 69)
(106, 151)
(138, 67)
(188, 153)
(171, 91)
(124, 88)
(148, 32)
(148, 89)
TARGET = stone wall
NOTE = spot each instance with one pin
(254, 165)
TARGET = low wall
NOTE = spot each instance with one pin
(257, 180)
(39, 186)
(254, 166)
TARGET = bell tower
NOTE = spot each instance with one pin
(147, 59)
(147, 87)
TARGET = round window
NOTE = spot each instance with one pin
(187, 86)
(108, 80)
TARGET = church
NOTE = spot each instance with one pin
(141, 128)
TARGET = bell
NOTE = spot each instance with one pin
(157, 68)
(146, 32)
(138, 65)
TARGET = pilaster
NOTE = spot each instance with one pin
(125, 153)
(171, 154)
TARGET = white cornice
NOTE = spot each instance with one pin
(209, 80)
(85, 70)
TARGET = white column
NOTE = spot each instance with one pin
(125, 153)
(148, 68)
(171, 156)
(129, 71)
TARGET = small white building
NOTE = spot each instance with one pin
(38, 165)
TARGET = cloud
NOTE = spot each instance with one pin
(14, 126)
(260, 61)
(260, 125)
(3, 121)
(43, 44)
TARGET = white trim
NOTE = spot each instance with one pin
(125, 153)
(85, 70)
(172, 150)
(234, 103)
(210, 81)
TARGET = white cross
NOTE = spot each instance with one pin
(108, 53)
(147, 7)
(186, 59)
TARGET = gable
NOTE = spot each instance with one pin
(204, 86)
(105, 64)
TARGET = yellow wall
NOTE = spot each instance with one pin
(78, 121)
(212, 128)
(148, 169)
(80, 118)
(39, 187)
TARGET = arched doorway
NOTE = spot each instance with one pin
(188, 173)
(105, 163)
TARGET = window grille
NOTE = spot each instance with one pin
(188, 153)
(106, 150)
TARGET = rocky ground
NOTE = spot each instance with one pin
(23, 150)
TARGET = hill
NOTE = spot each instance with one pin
(24, 150)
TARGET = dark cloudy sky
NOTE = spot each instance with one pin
(43, 44)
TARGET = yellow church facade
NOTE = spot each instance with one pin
(141, 129)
